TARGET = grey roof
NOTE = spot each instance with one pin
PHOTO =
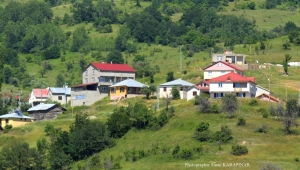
(129, 83)
(60, 90)
(177, 82)
(41, 107)
(15, 115)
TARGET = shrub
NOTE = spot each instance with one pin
(296, 159)
(176, 151)
(262, 129)
(186, 154)
(265, 115)
(215, 109)
(253, 102)
(202, 136)
(241, 121)
(204, 104)
(49, 129)
(239, 150)
(223, 136)
(7, 128)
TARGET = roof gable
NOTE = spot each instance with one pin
(60, 90)
(221, 65)
(232, 77)
(177, 82)
(129, 83)
(113, 67)
(40, 92)
(264, 95)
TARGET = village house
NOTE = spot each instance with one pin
(228, 56)
(60, 94)
(220, 68)
(38, 96)
(15, 118)
(125, 88)
(45, 111)
(232, 83)
(261, 90)
(183, 87)
(96, 80)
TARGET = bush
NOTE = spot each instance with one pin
(186, 154)
(239, 150)
(202, 136)
(296, 159)
(262, 129)
(223, 136)
(215, 109)
(241, 121)
(7, 128)
(204, 104)
(49, 129)
(176, 151)
(265, 115)
(253, 102)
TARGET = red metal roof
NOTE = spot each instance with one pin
(113, 67)
(232, 77)
(40, 92)
(84, 85)
(226, 63)
(267, 96)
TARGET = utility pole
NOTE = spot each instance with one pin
(180, 60)
(66, 94)
(19, 105)
(299, 94)
(157, 98)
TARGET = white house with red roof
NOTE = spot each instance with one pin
(96, 80)
(232, 83)
(38, 96)
(220, 68)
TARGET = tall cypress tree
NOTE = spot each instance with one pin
(3, 53)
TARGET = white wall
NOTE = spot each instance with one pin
(167, 93)
(227, 87)
(189, 94)
(260, 91)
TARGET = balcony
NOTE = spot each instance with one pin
(105, 83)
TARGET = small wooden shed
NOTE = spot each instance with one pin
(45, 111)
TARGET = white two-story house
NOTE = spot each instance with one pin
(232, 83)
(220, 68)
(96, 80)
(229, 56)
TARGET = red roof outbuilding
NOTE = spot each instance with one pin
(233, 77)
(113, 67)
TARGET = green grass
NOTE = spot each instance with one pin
(273, 146)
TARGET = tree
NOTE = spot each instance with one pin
(204, 103)
(251, 5)
(42, 71)
(175, 93)
(229, 104)
(60, 81)
(170, 76)
(270, 4)
(289, 26)
(118, 123)
(80, 39)
(290, 115)
(115, 57)
(2, 55)
(147, 90)
(287, 58)
(17, 156)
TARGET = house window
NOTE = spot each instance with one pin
(219, 58)
(6, 121)
(181, 88)
(220, 85)
(165, 89)
(236, 85)
(210, 73)
(86, 80)
(59, 97)
(122, 89)
(112, 90)
(218, 95)
(194, 93)
(21, 119)
(241, 94)
(86, 72)
(102, 79)
(93, 71)
(103, 88)
(93, 79)
(223, 72)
